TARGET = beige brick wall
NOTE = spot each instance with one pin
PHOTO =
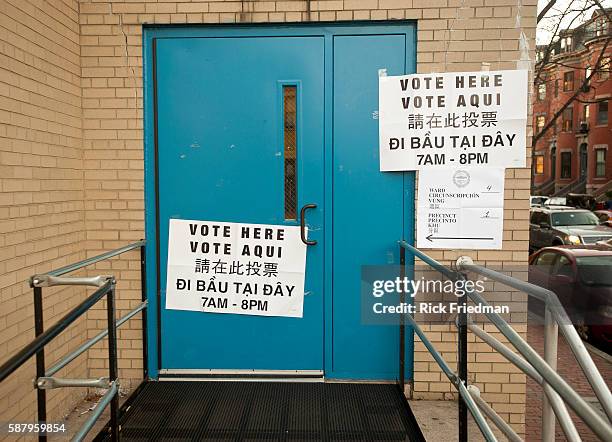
(42, 219)
(105, 178)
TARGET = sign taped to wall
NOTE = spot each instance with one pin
(454, 119)
(460, 209)
(246, 269)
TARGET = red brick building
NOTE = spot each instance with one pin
(573, 155)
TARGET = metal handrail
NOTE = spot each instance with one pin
(493, 416)
(456, 381)
(94, 259)
(556, 389)
(557, 404)
(91, 342)
(19, 358)
(106, 286)
(111, 393)
(555, 307)
(465, 402)
(37, 346)
(551, 378)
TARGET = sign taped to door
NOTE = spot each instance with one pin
(460, 209)
(247, 269)
(453, 119)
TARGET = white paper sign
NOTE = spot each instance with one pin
(246, 269)
(460, 209)
(455, 119)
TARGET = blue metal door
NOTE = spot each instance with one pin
(220, 147)
(214, 151)
(368, 206)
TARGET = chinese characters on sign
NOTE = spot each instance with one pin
(461, 209)
(249, 269)
(459, 119)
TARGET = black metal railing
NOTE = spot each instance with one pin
(44, 380)
(461, 376)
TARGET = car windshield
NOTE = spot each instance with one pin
(595, 270)
(574, 219)
(556, 201)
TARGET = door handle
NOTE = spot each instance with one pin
(311, 242)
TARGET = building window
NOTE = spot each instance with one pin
(585, 113)
(603, 71)
(541, 91)
(539, 165)
(540, 122)
(566, 164)
(568, 119)
(587, 72)
(601, 27)
(568, 81)
(602, 113)
(600, 163)
(566, 44)
(539, 55)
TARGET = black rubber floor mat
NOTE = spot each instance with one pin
(268, 411)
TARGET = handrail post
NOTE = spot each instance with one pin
(551, 337)
(143, 291)
(462, 357)
(39, 328)
(402, 324)
(112, 360)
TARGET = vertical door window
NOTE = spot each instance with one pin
(290, 149)
(541, 91)
(566, 164)
(568, 119)
(540, 122)
(568, 81)
(539, 168)
(600, 162)
(602, 112)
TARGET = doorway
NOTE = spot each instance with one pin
(250, 124)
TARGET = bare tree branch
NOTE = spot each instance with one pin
(543, 12)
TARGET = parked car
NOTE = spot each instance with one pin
(537, 200)
(605, 217)
(607, 244)
(580, 276)
(556, 201)
(553, 226)
(580, 201)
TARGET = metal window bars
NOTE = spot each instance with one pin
(557, 391)
(44, 377)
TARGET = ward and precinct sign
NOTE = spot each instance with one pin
(454, 119)
(461, 209)
(247, 269)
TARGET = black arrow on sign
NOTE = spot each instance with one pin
(430, 238)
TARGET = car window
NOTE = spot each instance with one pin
(595, 270)
(563, 266)
(603, 216)
(556, 201)
(537, 218)
(574, 219)
(545, 261)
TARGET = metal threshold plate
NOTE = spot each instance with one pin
(269, 411)
(240, 375)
